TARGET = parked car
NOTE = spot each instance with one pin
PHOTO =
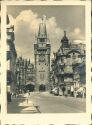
(56, 91)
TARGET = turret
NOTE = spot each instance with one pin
(65, 41)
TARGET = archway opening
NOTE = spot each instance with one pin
(42, 88)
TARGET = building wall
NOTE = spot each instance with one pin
(68, 64)
(11, 59)
(25, 73)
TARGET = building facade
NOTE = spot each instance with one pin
(42, 50)
(25, 73)
(68, 65)
(11, 58)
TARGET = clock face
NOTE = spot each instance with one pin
(42, 58)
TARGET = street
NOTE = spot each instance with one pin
(43, 102)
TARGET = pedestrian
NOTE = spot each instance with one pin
(63, 90)
(75, 93)
(68, 90)
(57, 91)
(28, 96)
(72, 91)
(9, 96)
(81, 92)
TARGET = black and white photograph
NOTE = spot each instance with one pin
(45, 63)
(46, 59)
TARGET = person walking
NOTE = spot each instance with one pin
(9, 97)
(28, 96)
(83, 92)
(75, 92)
(72, 91)
(63, 90)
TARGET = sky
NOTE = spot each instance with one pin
(26, 20)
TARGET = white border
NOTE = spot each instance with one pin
(45, 119)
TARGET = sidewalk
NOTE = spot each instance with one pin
(22, 105)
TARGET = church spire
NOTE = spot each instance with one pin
(42, 33)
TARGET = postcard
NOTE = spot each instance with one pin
(46, 62)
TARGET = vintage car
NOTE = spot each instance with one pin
(57, 91)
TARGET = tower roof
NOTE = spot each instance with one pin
(42, 33)
(64, 37)
(65, 40)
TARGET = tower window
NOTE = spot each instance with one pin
(42, 40)
(42, 76)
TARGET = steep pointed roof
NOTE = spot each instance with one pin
(42, 33)
(65, 41)
(64, 37)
